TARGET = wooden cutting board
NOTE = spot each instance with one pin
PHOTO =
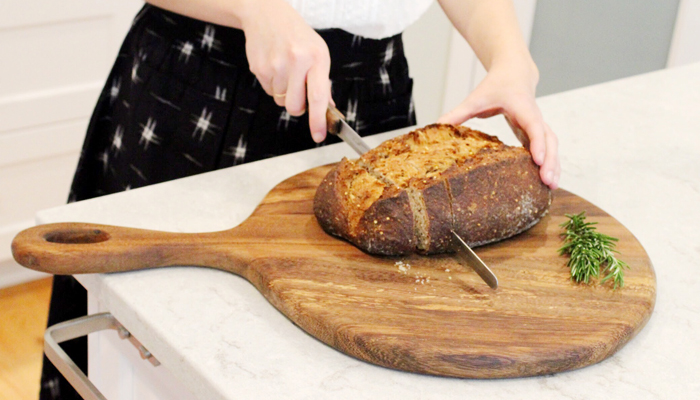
(435, 317)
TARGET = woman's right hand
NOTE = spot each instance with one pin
(290, 60)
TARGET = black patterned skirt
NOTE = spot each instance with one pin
(181, 100)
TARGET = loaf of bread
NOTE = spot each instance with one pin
(407, 194)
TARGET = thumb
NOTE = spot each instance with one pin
(471, 107)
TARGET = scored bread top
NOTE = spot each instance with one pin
(407, 194)
(426, 153)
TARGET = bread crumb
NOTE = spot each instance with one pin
(422, 279)
(403, 267)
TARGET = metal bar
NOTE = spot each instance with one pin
(76, 328)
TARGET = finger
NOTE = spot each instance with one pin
(550, 170)
(518, 131)
(464, 111)
(475, 105)
(280, 78)
(533, 125)
(258, 67)
(266, 84)
(295, 100)
(279, 87)
(319, 94)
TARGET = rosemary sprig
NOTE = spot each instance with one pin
(590, 251)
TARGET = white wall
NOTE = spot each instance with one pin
(54, 59)
(427, 44)
(685, 44)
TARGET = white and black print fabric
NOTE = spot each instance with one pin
(181, 100)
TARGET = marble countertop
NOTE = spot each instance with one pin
(630, 146)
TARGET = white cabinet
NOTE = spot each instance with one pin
(116, 368)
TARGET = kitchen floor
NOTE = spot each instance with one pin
(23, 313)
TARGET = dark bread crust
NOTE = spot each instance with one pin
(486, 192)
(498, 198)
(386, 228)
(328, 201)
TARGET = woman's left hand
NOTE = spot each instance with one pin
(510, 90)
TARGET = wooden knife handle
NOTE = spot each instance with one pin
(333, 117)
(77, 248)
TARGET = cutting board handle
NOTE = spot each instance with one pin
(78, 248)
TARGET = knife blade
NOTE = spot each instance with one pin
(336, 125)
(469, 257)
(335, 122)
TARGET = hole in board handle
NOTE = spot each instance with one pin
(77, 236)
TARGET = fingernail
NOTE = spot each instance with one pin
(318, 137)
(540, 158)
(549, 177)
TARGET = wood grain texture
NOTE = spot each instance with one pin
(23, 313)
(434, 318)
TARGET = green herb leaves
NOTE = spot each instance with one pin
(590, 251)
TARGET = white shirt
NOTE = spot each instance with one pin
(375, 19)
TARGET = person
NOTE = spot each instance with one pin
(200, 85)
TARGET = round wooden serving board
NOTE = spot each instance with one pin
(435, 317)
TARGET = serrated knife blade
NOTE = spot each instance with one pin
(335, 122)
(469, 257)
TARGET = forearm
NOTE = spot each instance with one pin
(491, 29)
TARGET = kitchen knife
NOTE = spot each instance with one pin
(469, 257)
(335, 122)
